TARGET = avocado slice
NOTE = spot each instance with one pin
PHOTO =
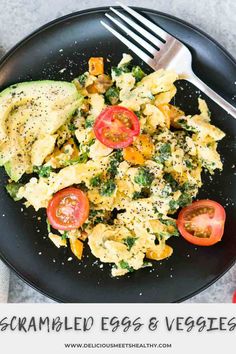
(30, 115)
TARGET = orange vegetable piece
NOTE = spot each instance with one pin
(159, 252)
(96, 66)
(83, 236)
(77, 247)
(145, 145)
(92, 88)
(133, 156)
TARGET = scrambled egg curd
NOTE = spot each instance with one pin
(132, 191)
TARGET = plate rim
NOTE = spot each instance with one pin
(75, 14)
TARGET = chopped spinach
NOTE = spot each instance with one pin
(166, 191)
(115, 160)
(138, 114)
(96, 181)
(43, 171)
(172, 182)
(83, 158)
(186, 186)
(95, 212)
(89, 122)
(172, 223)
(188, 164)
(12, 189)
(91, 142)
(143, 194)
(82, 79)
(137, 73)
(107, 188)
(112, 95)
(72, 127)
(184, 199)
(144, 177)
(125, 265)
(121, 70)
(184, 124)
(165, 152)
(129, 242)
(173, 204)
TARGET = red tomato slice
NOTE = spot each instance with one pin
(116, 127)
(202, 222)
(68, 209)
(234, 298)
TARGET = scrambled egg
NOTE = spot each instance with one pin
(130, 203)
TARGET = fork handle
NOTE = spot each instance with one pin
(213, 95)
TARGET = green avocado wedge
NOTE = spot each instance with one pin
(31, 113)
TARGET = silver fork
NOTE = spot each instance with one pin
(172, 54)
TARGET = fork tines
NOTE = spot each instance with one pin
(138, 38)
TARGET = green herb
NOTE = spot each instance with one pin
(48, 225)
(65, 235)
(137, 73)
(175, 232)
(72, 127)
(121, 70)
(98, 220)
(91, 142)
(129, 242)
(43, 171)
(173, 204)
(89, 122)
(95, 212)
(96, 181)
(125, 265)
(169, 222)
(143, 194)
(184, 199)
(165, 152)
(116, 158)
(107, 188)
(166, 191)
(144, 177)
(83, 158)
(156, 211)
(13, 189)
(112, 95)
(146, 264)
(188, 164)
(184, 124)
(97, 216)
(138, 114)
(172, 182)
(82, 79)
(186, 186)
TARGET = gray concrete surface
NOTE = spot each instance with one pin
(218, 18)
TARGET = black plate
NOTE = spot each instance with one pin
(68, 43)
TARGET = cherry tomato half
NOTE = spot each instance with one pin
(116, 127)
(68, 209)
(202, 222)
